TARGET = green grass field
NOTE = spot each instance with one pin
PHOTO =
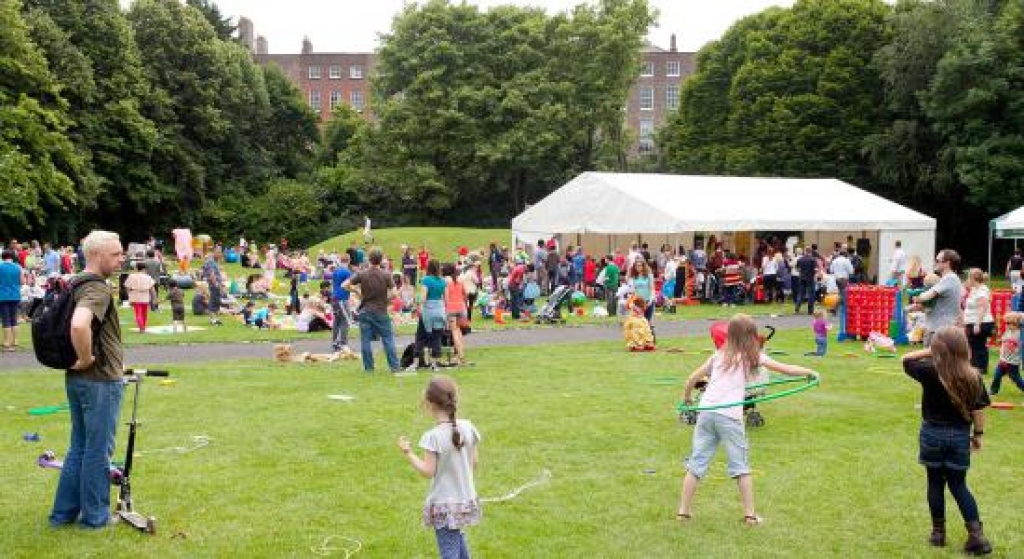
(441, 242)
(835, 467)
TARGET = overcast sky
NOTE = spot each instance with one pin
(353, 25)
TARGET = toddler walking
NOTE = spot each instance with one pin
(728, 371)
(1009, 353)
(177, 298)
(821, 327)
(449, 460)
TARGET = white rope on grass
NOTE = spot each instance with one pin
(325, 548)
(545, 476)
(198, 441)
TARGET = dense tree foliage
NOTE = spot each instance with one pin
(482, 112)
(144, 119)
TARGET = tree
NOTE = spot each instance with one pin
(976, 100)
(40, 169)
(339, 133)
(93, 50)
(292, 125)
(496, 105)
(221, 25)
(786, 92)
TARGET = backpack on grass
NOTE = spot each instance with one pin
(51, 324)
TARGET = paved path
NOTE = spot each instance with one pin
(163, 354)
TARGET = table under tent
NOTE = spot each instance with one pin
(607, 211)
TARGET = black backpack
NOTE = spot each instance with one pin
(51, 324)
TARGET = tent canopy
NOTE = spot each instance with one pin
(1010, 226)
(622, 203)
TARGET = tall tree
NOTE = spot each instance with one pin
(222, 26)
(41, 171)
(93, 49)
(786, 92)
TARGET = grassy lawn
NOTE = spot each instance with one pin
(441, 242)
(835, 467)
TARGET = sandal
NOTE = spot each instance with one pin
(752, 520)
(683, 516)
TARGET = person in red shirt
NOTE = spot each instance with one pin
(423, 258)
(516, 283)
(620, 259)
(589, 271)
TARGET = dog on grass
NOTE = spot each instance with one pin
(285, 353)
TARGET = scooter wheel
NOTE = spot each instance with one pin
(151, 525)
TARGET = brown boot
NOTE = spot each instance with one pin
(977, 543)
(938, 537)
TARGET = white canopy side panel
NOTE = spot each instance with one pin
(915, 243)
(1011, 225)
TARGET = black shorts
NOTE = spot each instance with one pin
(178, 314)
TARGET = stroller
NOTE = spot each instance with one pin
(413, 352)
(552, 313)
(751, 415)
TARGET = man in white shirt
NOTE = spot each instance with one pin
(899, 264)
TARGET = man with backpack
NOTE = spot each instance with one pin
(94, 388)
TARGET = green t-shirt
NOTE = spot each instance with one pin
(611, 276)
(96, 297)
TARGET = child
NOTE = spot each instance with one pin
(449, 461)
(727, 373)
(177, 298)
(953, 401)
(821, 327)
(1009, 353)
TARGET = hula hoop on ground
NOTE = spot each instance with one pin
(807, 383)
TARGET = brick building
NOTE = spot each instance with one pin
(655, 94)
(327, 79)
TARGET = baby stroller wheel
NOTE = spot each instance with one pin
(755, 419)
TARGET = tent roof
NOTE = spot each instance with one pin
(622, 203)
(1011, 223)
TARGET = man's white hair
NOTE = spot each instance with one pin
(96, 239)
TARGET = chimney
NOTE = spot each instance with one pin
(307, 46)
(246, 33)
(261, 45)
(672, 43)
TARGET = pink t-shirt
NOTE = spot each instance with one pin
(727, 385)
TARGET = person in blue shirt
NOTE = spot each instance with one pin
(51, 260)
(11, 276)
(339, 304)
(579, 260)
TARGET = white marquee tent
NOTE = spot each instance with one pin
(1009, 226)
(602, 211)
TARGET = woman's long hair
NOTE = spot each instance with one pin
(952, 358)
(742, 345)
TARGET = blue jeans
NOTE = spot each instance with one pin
(84, 486)
(821, 346)
(451, 543)
(373, 323)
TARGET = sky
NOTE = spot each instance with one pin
(353, 25)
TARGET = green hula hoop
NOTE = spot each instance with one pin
(808, 383)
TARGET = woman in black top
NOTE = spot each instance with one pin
(953, 400)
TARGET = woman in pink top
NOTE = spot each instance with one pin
(455, 307)
(140, 288)
(727, 372)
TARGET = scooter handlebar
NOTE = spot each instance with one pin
(147, 373)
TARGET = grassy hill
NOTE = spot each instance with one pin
(440, 241)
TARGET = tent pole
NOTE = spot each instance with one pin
(990, 232)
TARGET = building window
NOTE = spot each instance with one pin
(647, 69)
(335, 72)
(314, 101)
(355, 72)
(672, 68)
(335, 99)
(646, 135)
(646, 98)
(672, 97)
(314, 72)
(356, 99)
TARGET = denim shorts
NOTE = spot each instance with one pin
(945, 446)
(9, 314)
(712, 429)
